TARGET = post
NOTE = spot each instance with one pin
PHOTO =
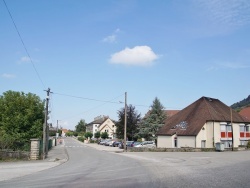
(231, 114)
(125, 122)
(45, 124)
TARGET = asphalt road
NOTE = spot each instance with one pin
(88, 167)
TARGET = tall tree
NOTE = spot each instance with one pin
(132, 122)
(153, 121)
(81, 126)
(21, 118)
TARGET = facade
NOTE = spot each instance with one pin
(202, 124)
(102, 124)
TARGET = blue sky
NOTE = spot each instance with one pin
(177, 51)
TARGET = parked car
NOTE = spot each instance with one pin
(104, 142)
(146, 144)
(135, 144)
(108, 142)
(116, 144)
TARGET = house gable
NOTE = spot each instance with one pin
(190, 120)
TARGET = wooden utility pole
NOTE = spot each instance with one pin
(231, 115)
(45, 144)
(125, 123)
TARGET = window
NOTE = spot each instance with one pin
(242, 129)
(229, 128)
(223, 128)
(247, 128)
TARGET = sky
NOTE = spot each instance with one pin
(89, 53)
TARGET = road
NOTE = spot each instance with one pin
(88, 167)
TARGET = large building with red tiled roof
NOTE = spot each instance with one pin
(245, 112)
(202, 124)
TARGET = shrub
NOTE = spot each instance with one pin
(88, 135)
(248, 144)
(82, 138)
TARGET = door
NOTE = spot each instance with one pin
(203, 144)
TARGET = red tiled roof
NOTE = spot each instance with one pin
(197, 114)
(168, 113)
(245, 112)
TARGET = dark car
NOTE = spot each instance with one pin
(116, 144)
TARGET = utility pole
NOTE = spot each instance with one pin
(231, 114)
(125, 123)
(45, 144)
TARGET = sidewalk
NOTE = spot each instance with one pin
(56, 156)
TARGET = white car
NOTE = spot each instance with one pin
(146, 144)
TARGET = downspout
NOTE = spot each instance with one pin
(213, 135)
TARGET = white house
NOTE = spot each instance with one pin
(202, 124)
(102, 124)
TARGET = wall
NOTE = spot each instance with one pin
(206, 133)
(185, 141)
(164, 142)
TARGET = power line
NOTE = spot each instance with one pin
(110, 101)
(23, 44)
(85, 98)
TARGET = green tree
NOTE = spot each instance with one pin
(69, 133)
(81, 126)
(132, 123)
(104, 135)
(153, 121)
(21, 118)
(97, 134)
(88, 135)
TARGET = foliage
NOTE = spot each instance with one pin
(132, 123)
(88, 135)
(97, 134)
(82, 138)
(69, 133)
(75, 133)
(153, 121)
(81, 126)
(248, 144)
(243, 103)
(21, 118)
(104, 135)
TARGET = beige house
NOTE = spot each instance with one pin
(102, 124)
(202, 124)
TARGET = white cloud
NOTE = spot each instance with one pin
(139, 56)
(26, 59)
(8, 76)
(111, 38)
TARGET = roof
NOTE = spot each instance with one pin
(245, 112)
(168, 113)
(98, 121)
(190, 120)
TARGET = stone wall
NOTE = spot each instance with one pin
(4, 155)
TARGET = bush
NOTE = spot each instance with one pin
(82, 138)
(88, 135)
(248, 144)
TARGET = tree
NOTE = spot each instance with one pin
(104, 135)
(81, 126)
(132, 123)
(88, 135)
(21, 118)
(153, 121)
(97, 134)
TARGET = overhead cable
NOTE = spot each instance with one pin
(24, 44)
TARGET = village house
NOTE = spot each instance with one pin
(202, 124)
(102, 124)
